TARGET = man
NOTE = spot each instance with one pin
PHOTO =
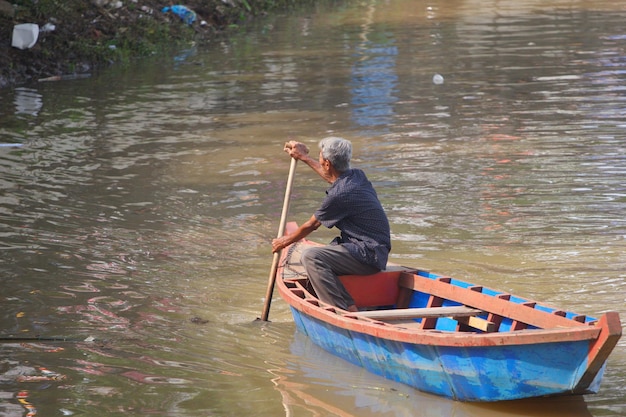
(351, 205)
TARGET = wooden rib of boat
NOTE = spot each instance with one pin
(452, 338)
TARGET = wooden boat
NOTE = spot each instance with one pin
(452, 338)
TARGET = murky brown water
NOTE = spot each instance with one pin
(137, 207)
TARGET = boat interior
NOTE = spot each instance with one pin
(418, 299)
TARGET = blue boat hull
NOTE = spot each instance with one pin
(491, 373)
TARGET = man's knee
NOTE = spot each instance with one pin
(305, 258)
(309, 257)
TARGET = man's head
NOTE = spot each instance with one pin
(338, 151)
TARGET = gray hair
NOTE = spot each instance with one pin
(338, 151)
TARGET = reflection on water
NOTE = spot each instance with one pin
(137, 207)
(373, 78)
(27, 101)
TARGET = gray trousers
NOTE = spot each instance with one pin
(324, 264)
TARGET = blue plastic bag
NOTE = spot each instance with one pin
(186, 14)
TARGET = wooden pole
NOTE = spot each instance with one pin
(281, 231)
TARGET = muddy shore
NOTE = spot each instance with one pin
(80, 37)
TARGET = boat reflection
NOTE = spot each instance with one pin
(317, 383)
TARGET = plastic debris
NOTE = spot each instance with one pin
(25, 35)
(186, 14)
(48, 27)
(438, 79)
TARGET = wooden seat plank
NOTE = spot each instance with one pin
(426, 312)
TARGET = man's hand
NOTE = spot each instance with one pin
(279, 243)
(296, 150)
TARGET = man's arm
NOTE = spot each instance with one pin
(303, 231)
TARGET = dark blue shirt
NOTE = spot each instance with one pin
(351, 205)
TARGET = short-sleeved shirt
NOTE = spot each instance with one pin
(351, 204)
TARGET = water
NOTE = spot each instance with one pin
(137, 207)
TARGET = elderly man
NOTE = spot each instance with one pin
(351, 205)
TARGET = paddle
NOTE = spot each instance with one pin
(281, 231)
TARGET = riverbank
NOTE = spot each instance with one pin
(80, 37)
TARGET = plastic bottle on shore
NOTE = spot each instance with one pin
(186, 14)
